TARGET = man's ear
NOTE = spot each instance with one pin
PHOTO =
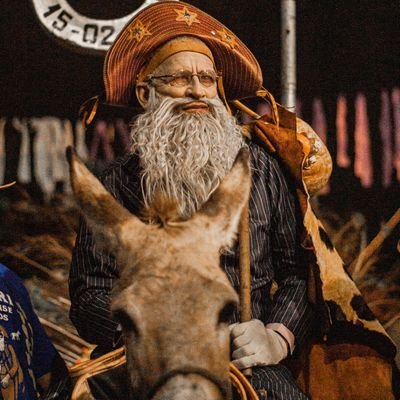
(142, 94)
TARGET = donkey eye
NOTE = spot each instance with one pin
(127, 323)
(227, 312)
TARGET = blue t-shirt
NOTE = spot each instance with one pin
(26, 352)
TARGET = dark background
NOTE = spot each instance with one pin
(342, 46)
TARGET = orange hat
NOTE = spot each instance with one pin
(157, 24)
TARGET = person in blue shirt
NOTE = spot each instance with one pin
(30, 367)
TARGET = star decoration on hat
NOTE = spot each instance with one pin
(186, 16)
(228, 38)
(139, 31)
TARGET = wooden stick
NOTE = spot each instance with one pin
(245, 109)
(391, 321)
(64, 332)
(376, 242)
(19, 256)
(66, 351)
(245, 277)
(244, 257)
(66, 355)
(7, 185)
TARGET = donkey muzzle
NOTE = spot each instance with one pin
(195, 383)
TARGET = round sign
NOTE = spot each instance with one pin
(77, 30)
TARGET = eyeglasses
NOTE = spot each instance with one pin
(185, 78)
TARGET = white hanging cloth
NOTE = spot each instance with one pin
(42, 155)
(24, 162)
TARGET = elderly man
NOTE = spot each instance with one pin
(183, 66)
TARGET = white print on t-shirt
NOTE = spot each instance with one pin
(16, 335)
(5, 298)
(6, 306)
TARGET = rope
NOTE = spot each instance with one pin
(86, 369)
(242, 385)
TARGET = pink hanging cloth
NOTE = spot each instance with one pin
(342, 157)
(318, 120)
(321, 128)
(363, 168)
(396, 121)
(385, 127)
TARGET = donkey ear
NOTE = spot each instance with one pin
(223, 209)
(105, 216)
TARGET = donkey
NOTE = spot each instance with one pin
(172, 299)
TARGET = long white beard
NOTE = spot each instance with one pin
(184, 155)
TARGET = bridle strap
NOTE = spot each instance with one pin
(224, 387)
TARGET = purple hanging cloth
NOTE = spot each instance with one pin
(100, 139)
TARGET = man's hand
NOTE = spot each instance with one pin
(254, 345)
(5, 381)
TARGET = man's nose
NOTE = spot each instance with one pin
(195, 89)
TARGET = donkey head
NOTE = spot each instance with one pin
(172, 298)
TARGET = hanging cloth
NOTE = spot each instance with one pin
(24, 163)
(80, 141)
(101, 140)
(385, 128)
(396, 122)
(318, 119)
(122, 130)
(319, 125)
(68, 140)
(342, 157)
(42, 156)
(363, 168)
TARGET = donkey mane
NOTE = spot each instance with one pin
(163, 211)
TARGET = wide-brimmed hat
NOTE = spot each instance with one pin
(166, 20)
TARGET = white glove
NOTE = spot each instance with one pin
(255, 345)
(5, 382)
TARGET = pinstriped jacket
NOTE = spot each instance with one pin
(273, 255)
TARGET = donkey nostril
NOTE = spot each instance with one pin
(126, 321)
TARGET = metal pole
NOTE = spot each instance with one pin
(288, 53)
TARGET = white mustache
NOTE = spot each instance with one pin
(177, 102)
